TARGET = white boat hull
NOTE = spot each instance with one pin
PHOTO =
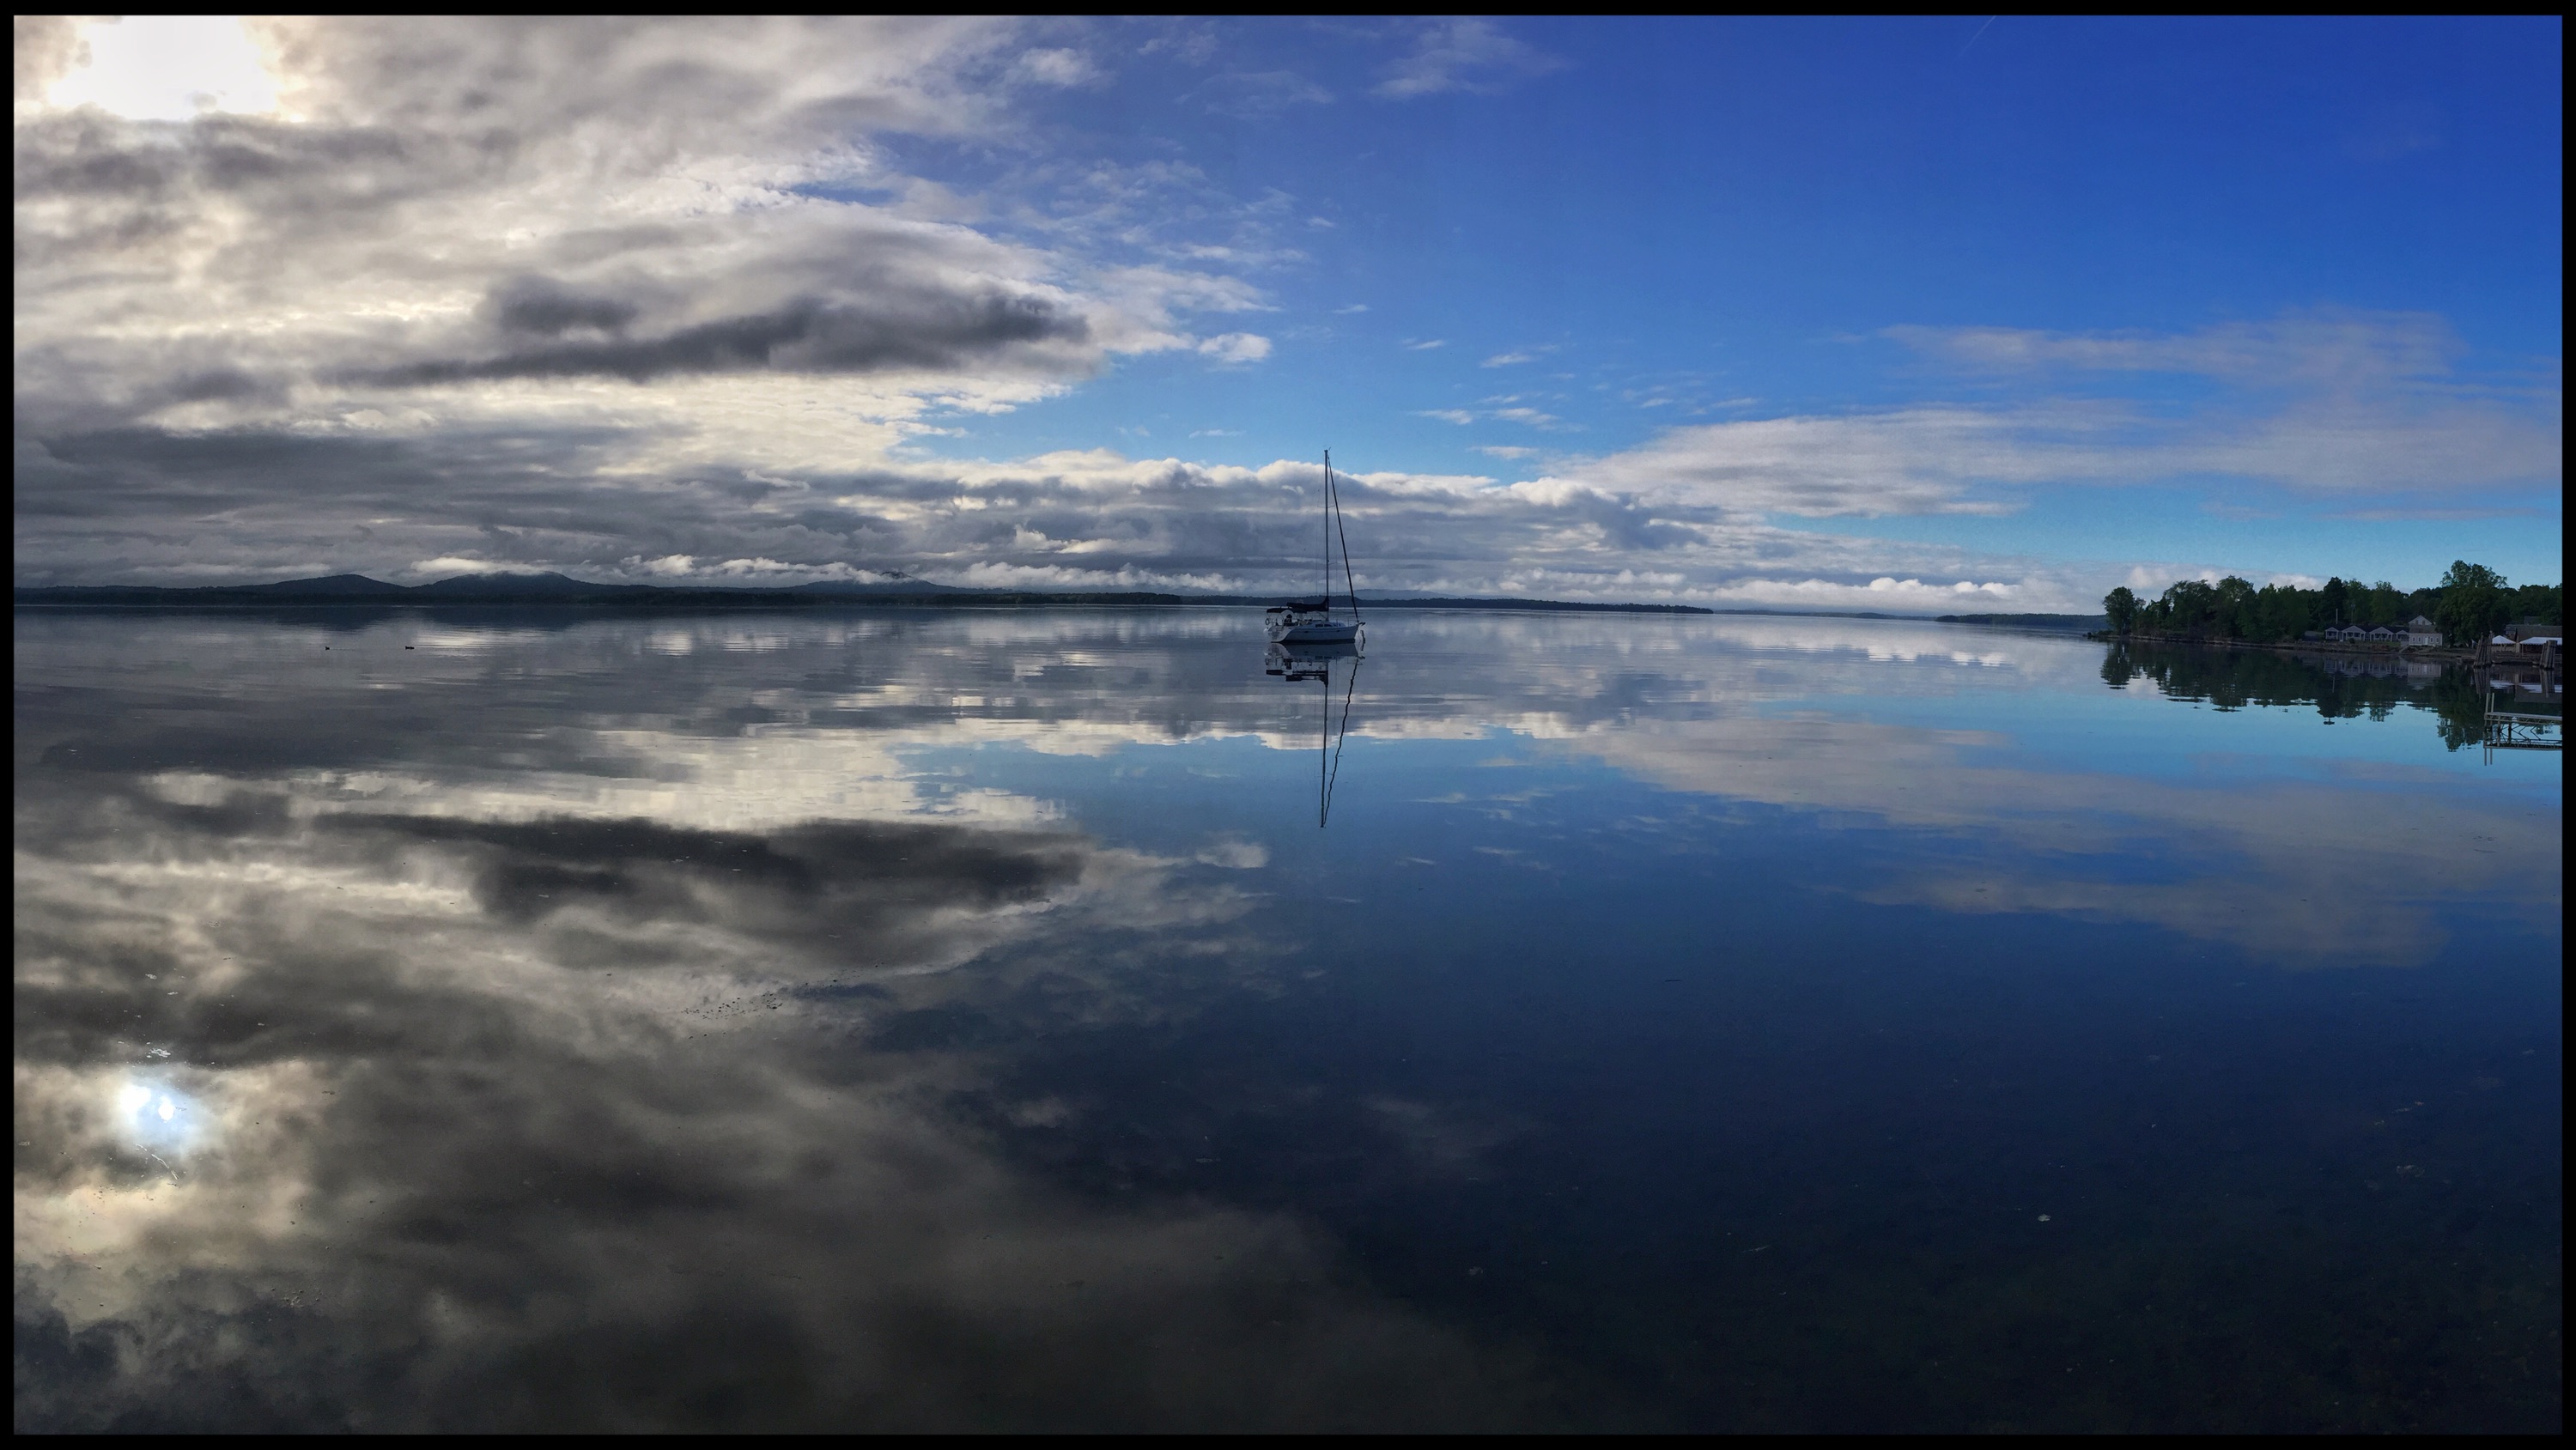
(1315, 631)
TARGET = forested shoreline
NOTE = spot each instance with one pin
(2471, 602)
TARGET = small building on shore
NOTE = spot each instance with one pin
(2541, 652)
(2423, 633)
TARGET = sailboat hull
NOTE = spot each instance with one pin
(1315, 631)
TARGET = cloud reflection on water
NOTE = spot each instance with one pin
(554, 1019)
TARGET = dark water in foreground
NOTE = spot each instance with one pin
(960, 1020)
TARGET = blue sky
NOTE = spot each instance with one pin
(1751, 312)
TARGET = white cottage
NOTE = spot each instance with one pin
(2423, 632)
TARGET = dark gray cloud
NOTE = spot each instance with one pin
(547, 308)
(936, 333)
(264, 503)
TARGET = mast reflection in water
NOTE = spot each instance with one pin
(1317, 662)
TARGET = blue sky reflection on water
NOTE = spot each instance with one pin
(958, 1019)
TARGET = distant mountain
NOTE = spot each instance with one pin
(338, 585)
(519, 586)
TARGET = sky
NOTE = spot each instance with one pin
(1917, 315)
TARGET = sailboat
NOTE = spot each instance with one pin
(1315, 624)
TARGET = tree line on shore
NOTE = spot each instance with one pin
(2471, 602)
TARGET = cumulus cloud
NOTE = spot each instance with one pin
(455, 202)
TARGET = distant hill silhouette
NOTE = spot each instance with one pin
(513, 586)
(341, 585)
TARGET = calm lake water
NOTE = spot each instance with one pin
(959, 1019)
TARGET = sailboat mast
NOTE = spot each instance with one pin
(1347, 581)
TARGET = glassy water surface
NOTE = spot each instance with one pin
(891, 1020)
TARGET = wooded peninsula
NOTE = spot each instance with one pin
(2471, 603)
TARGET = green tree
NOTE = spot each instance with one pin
(2542, 602)
(2189, 608)
(2122, 607)
(2232, 608)
(2473, 602)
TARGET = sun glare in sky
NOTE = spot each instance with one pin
(169, 68)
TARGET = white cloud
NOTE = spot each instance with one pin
(1526, 417)
(1426, 345)
(1236, 347)
(1058, 67)
(2318, 346)
(450, 564)
(2322, 400)
(1883, 593)
(1913, 461)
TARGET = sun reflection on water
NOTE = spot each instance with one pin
(157, 1117)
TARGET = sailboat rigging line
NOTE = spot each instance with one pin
(1328, 533)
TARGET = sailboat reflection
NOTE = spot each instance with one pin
(1319, 662)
